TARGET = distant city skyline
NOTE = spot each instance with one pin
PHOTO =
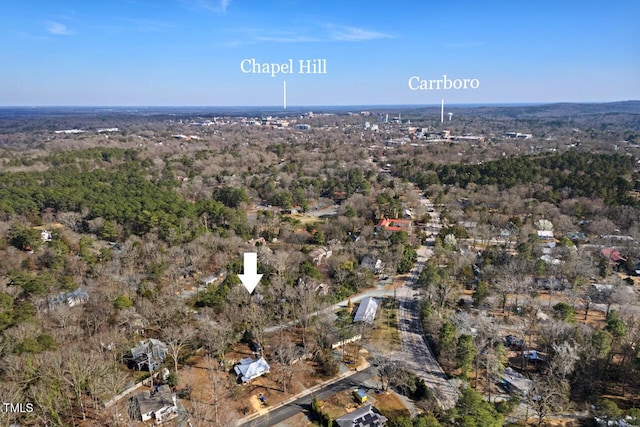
(225, 52)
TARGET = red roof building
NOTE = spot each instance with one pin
(395, 224)
(613, 255)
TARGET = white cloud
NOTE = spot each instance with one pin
(311, 33)
(354, 34)
(326, 33)
(58, 29)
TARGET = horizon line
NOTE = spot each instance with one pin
(279, 107)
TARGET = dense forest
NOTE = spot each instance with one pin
(611, 177)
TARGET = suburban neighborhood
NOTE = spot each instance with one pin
(225, 213)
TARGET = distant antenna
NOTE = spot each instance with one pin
(284, 94)
(450, 114)
(442, 112)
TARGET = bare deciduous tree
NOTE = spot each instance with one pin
(215, 337)
(547, 396)
(564, 358)
(287, 355)
(178, 338)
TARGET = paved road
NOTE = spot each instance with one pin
(303, 404)
(416, 353)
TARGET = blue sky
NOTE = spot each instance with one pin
(188, 52)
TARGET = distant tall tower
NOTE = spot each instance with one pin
(442, 112)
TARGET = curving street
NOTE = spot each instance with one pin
(416, 353)
(290, 409)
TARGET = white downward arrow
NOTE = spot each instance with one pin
(250, 278)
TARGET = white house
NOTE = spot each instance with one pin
(366, 310)
(209, 280)
(545, 234)
(70, 299)
(248, 369)
(320, 254)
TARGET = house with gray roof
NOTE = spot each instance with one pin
(70, 299)
(248, 369)
(365, 416)
(158, 404)
(148, 354)
(366, 310)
